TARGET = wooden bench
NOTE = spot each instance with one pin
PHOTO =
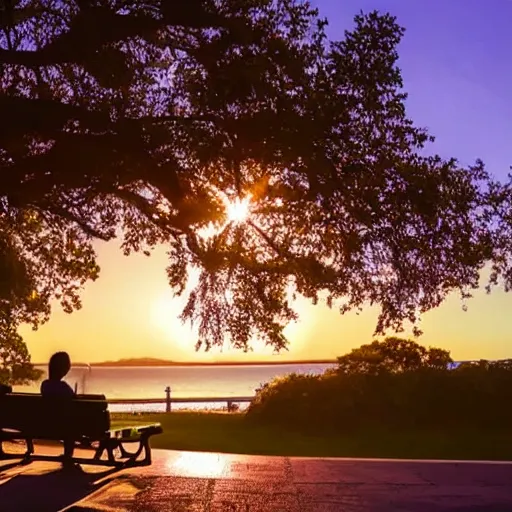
(84, 420)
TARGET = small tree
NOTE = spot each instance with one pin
(393, 355)
(15, 365)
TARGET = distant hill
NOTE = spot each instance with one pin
(142, 361)
(149, 361)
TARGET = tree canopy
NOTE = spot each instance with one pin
(393, 355)
(138, 120)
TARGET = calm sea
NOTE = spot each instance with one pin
(185, 381)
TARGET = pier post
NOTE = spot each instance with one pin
(168, 399)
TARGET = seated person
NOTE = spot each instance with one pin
(54, 386)
(58, 368)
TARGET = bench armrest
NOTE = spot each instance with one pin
(136, 431)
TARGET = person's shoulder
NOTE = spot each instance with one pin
(67, 386)
(56, 388)
(63, 386)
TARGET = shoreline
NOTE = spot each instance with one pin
(162, 364)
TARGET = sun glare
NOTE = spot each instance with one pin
(201, 465)
(238, 210)
(163, 317)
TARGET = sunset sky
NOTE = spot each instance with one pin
(456, 65)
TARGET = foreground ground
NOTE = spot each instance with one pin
(213, 482)
(231, 433)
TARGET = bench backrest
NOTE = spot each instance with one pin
(55, 418)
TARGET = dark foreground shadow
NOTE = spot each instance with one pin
(49, 491)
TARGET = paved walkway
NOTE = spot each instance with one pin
(212, 482)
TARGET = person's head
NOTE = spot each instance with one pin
(59, 365)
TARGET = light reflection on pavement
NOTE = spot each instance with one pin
(197, 464)
(215, 482)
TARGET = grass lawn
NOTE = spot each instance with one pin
(232, 433)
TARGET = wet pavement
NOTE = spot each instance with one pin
(212, 482)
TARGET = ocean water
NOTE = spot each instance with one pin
(185, 381)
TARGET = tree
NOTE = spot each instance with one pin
(141, 119)
(15, 365)
(393, 355)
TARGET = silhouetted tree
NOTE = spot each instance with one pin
(15, 365)
(393, 355)
(133, 119)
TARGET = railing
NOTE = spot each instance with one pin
(168, 400)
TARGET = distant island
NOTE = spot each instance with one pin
(149, 361)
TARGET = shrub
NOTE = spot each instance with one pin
(426, 396)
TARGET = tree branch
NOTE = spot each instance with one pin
(11, 17)
(43, 116)
(143, 207)
(97, 27)
(71, 217)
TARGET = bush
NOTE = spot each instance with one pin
(471, 395)
(285, 399)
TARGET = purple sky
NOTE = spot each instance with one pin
(456, 61)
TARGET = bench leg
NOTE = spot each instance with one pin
(30, 449)
(132, 457)
(111, 446)
(143, 446)
(124, 453)
(147, 450)
(108, 445)
(99, 451)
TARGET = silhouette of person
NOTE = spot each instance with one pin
(55, 387)
(58, 368)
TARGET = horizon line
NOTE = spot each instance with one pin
(188, 363)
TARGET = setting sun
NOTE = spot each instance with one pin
(238, 210)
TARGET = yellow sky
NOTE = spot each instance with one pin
(129, 312)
